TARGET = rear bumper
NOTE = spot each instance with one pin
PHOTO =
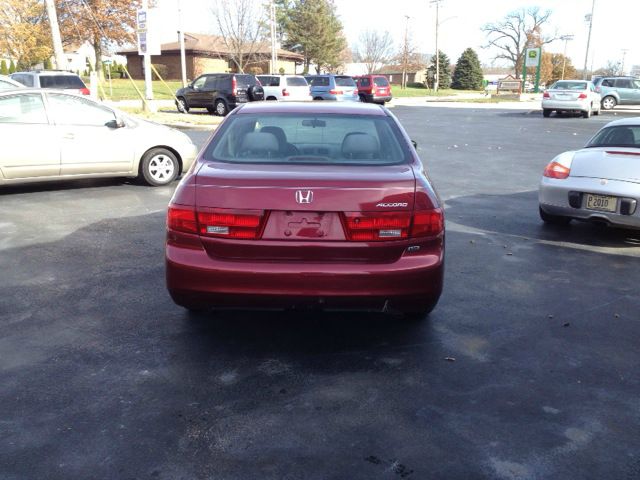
(553, 198)
(577, 105)
(412, 283)
(377, 99)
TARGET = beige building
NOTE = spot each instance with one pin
(207, 53)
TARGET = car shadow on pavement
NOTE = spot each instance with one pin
(60, 185)
(516, 215)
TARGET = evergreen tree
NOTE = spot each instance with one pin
(12, 67)
(3, 68)
(314, 30)
(445, 71)
(47, 64)
(468, 74)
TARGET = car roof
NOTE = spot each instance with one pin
(43, 90)
(624, 121)
(49, 72)
(347, 108)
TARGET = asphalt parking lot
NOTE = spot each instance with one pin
(527, 369)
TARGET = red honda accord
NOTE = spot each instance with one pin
(321, 204)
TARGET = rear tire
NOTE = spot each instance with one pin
(211, 110)
(608, 102)
(362, 98)
(553, 219)
(221, 108)
(159, 166)
(318, 98)
(587, 114)
(546, 112)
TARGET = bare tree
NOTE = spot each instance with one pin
(374, 49)
(515, 32)
(240, 25)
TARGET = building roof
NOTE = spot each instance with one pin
(213, 45)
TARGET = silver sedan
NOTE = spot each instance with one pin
(577, 96)
(599, 183)
(53, 135)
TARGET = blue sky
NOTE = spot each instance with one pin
(615, 24)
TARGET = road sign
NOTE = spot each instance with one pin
(141, 21)
(532, 57)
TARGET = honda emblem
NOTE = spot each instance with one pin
(304, 196)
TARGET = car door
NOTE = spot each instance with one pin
(30, 146)
(194, 92)
(625, 90)
(209, 91)
(91, 141)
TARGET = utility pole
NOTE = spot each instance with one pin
(183, 60)
(55, 34)
(566, 39)
(436, 81)
(405, 52)
(589, 18)
(274, 50)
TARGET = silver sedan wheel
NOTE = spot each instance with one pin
(162, 168)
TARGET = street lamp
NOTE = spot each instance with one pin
(624, 54)
(566, 38)
(588, 18)
(436, 80)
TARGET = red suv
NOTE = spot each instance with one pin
(374, 88)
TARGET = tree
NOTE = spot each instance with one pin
(24, 31)
(12, 67)
(314, 30)
(515, 32)
(374, 49)
(444, 80)
(551, 68)
(612, 67)
(468, 73)
(3, 68)
(47, 64)
(240, 24)
(102, 23)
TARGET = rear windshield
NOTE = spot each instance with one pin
(620, 136)
(61, 81)
(298, 138)
(345, 82)
(381, 82)
(246, 80)
(564, 85)
(296, 82)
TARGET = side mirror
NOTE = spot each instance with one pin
(115, 123)
(415, 144)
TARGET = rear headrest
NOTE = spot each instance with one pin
(360, 145)
(259, 143)
(277, 132)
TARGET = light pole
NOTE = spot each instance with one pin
(566, 39)
(589, 18)
(405, 52)
(183, 60)
(624, 54)
(436, 80)
(274, 50)
(55, 34)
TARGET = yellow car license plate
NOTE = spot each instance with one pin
(602, 202)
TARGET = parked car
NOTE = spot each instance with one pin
(599, 183)
(285, 87)
(57, 79)
(323, 205)
(333, 87)
(618, 91)
(373, 88)
(578, 96)
(219, 93)
(6, 83)
(53, 135)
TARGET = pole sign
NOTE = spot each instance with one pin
(532, 57)
(148, 36)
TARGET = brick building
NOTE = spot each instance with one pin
(207, 53)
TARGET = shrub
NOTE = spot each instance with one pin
(12, 67)
(3, 68)
(162, 70)
(416, 85)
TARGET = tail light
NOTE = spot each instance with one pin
(215, 223)
(582, 96)
(85, 91)
(381, 226)
(234, 86)
(546, 95)
(556, 170)
(336, 92)
(355, 92)
(285, 93)
(230, 224)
